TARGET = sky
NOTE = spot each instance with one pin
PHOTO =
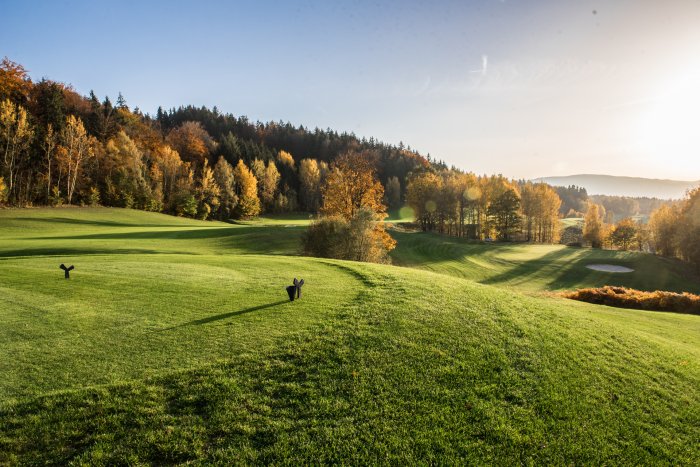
(522, 88)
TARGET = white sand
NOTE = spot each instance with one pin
(608, 268)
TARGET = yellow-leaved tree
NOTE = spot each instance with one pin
(3, 191)
(352, 204)
(270, 184)
(593, 228)
(310, 178)
(351, 185)
(77, 146)
(246, 190)
(15, 137)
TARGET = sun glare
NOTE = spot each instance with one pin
(668, 132)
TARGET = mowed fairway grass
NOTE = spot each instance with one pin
(174, 342)
(539, 267)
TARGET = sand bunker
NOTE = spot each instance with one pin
(608, 268)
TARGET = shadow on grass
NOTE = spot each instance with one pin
(421, 248)
(173, 233)
(70, 220)
(26, 252)
(219, 317)
(533, 267)
(261, 240)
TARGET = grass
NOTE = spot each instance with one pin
(173, 343)
(539, 267)
(572, 222)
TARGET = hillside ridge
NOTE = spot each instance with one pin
(614, 185)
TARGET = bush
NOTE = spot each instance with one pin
(622, 297)
(55, 199)
(324, 237)
(186, 205)
(359, 239)
(93, 197)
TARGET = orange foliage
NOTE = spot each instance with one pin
(192, 142)
(352, 185)
(623, 297)
(15, 83)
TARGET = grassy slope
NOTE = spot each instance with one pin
(184, 349)
(539, 267)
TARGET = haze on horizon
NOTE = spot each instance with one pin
(527, 89)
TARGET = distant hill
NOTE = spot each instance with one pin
(624, 186)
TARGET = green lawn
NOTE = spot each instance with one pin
(572, 222)
(173, 342)
(539, 267)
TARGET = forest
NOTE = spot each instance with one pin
(59, 147)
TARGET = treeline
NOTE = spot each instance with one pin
(673, 230)
(59, 147)
(620, 207)
(575, 199)
(462, 204)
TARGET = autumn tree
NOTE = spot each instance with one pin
(270, 184)
(285, 159)
(15, 83)
(422, 194)
(124, 172)
(689, 231)
(15, 138)
(184, 200)
(540, 209)
(353, 196)
(351, 185)
(664, 224)
(504, 214)
(192, 142)
(468, 186)
(166, 169)
(208, 192)
(448, 199)
(228, 200)
(3, 191)
(624, 233)
(593, 228)
(310, 184)
(247, 192)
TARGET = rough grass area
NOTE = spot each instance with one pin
(173, 342)
(637, 299)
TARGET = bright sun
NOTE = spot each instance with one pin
(670, 129)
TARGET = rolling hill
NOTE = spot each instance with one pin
(624, 186)
(173, 342)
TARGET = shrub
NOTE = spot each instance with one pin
(324, 237)
(623, 297)
(186, 205)
(359, 239)
(55, 199)
(93, 197)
